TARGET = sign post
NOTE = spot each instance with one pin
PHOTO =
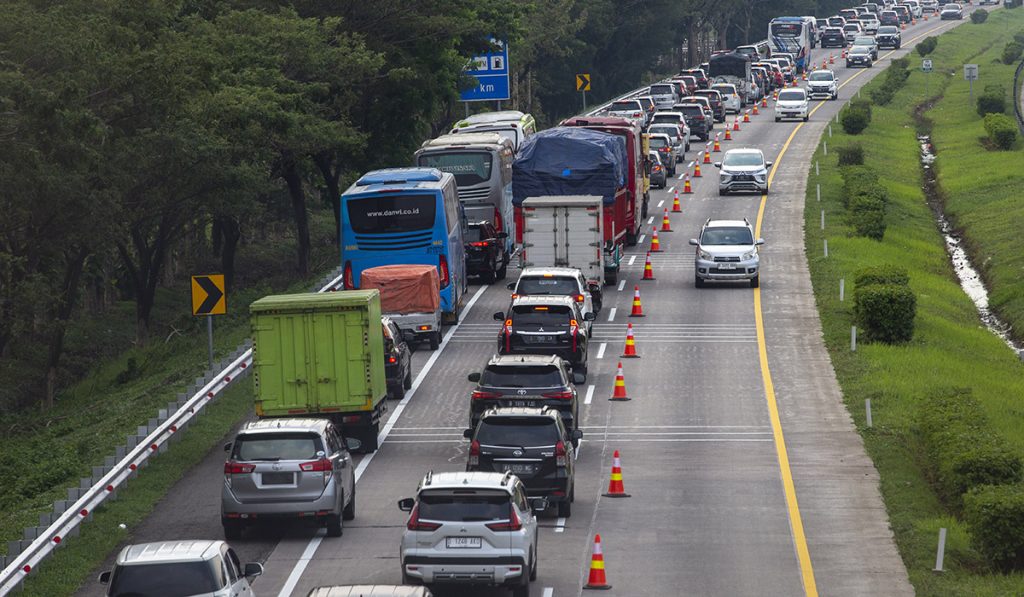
(209, 299)
(971, 75)
(491, 73)
(926, 67)
(583, 86)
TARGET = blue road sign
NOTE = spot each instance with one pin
(491, 73)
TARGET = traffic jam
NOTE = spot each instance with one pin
(491, 366)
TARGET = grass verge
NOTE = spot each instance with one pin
(950, 346)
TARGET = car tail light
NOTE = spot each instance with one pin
(237, 468)
(348, 281)
(443, 269)
(485, 243)
(512, 524)
(508, 335)
(564, 395)
(474, 453)
(657, 168)
(317, 466)
(573, 328)
(637, 114)
(514, 296)
(499, 222)
(579, 298)
(561, 457)
(415, 524)
(392, 360)
(480, 395)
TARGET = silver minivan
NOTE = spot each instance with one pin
(288, 468)
(664, 95)
(201, 568)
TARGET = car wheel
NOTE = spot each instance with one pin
(490, 275)
(805, 118)
(565, 509)
(610, 278)
(408, 580)
(777, 119)
(334, 525)
(522, 590)
(721, 192)
(755, 281)
(349, 513)
(698, 282)
(582, 370)
(232, 529)
(407, 382)
(435, 340)
(533, 569)
(397, 392)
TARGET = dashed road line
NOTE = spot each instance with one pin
(600, 350)
(622, 284)
(590, 394)
(611, 314)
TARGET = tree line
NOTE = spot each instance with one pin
(133, 133)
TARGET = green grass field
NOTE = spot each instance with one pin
(950, 346)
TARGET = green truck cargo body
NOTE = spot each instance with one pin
(321, 355)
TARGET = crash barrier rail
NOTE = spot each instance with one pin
(151, 439)
(1017, 93)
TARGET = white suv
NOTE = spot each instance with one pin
(200, 568)
(822, 83)
(792, 103)
(471, 528)
(560, 281)
(727, 252)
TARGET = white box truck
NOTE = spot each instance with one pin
(567, 231)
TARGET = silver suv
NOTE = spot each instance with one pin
(288, 468)
(471, 528)
(726, 251)
(743, 170)
(199, 568)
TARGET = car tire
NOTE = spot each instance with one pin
(522, 590)
(611, 278)
(582, 369)
(565, 509)
(408, 580)
(777, 119)
(397, 392)
(233, 529)
(806, 118)
(349, 513)
(533, 568)
(407, 382)
(721, 192)
(489, 276)
(755, 281)
(369, 439)
(335, 527)
(698, 282)
(503, 270)
(435, 340)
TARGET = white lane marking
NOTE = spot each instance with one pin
(622, 284)
(559, 528)
(590, 395)
(669, 427)
(314, 543)
(670, 189)
(632, 259)
(660, 203)
(455, 440)
(650, 220)
(600, 350)
(549, 591)
(611, 314)
(640, 240)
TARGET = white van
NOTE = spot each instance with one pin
(511, 124)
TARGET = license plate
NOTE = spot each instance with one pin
(278, 478)
(518, 469)
(463, 542)
(726, 266)
(516, 402)
(538, 339)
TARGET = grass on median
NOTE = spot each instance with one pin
(950, 345)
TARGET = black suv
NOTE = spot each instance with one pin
(532, 444)
(696, 119)
(697, 73)
(526, 380)
(889, 37)
(545, 325)
(833, 37)
(717, 106)
(397, 360)
(485, 252)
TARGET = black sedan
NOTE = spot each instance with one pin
(397, 360)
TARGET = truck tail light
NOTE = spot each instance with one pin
(237, 468)
(415, 524)
(561, 457)
(474, 453)
(512, 524)
(573, 329)
(347, 279)
(392, 360)
(442, 267)
(485, 243)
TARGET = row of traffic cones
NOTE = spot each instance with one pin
(597, 579)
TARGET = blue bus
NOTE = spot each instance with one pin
(792, 35)
(406, 216)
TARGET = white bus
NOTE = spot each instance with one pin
(792, 35)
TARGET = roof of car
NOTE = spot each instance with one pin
(463, 480)
(169, 551)
(369, 591)
(726, 223)
(524, 360)
(749, 149)
(553, 271)
(544, 299)
(285, 425)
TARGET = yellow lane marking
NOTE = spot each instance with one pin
(789, 488)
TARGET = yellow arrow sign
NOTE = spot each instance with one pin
(583, 82)
(208, 296)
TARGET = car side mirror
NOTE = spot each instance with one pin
(759, 241)
(104, 577)
(252, 570)
(539, 504)
(718, 164)
(227, 447)
(503, 235)
(768, 164)
(576, 435)
(578, 378)
(499, 316)
(474, 377)
(593, 286)
(589, 317)
(405, 505)
(352, 444)
(511, 285)
(467, 433)
(694, 242)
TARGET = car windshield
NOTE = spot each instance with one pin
(517, 431)
(745, 158)
(727, 235)
(542, 315)
(469, 505)
(858, 50)
(558, 286)
(276, 446)
(792, 95)
(520, 376)
(177, 579)
(820, 76)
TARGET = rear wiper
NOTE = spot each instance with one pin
(274, 459)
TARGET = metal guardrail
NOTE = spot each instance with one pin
(1017, 97)
(40, 542)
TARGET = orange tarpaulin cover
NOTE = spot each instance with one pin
(404, 288)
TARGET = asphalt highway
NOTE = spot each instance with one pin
(746, 474)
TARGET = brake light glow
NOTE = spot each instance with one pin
(573, 328)
(579, 298)
(237, 468)
(540, 308)
(392, 360)
(480, 395)
(474, 453)
(415, 524)
(508, 335)
(512, 524)
(561, 457)
(443, 269)
(563, 395)
(348, 281)
(485, 243)
(317, 466)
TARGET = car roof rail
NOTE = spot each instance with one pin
(428, 478)
(507, 478)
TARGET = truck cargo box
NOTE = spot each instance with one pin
(404, 289)
(564, 232)
(570, 161)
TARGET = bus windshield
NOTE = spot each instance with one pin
(469, 168)
(392, 213)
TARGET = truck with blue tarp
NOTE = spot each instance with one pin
(575, 161)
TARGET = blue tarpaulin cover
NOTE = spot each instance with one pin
(569, 160)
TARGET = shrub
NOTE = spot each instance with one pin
(978, 17)
(1001, 129)
(895, 76)
(851, 155)
(861, 104)
(854, 121)
(881, 274)
(992, 100)
(995, 516)
(885, 312)
(1013, 51)
(856, 180)
(927, 45)
(867, 214)
(1019, 37)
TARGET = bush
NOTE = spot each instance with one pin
(1012, 52)
(861, 104)
(1019, 37)
(856, 180)
(867, 214)
(978, 16)
(851, 155)
(854, 121)
(927, 45)
(992, 100)
(995, 516)
(885, 312)
(895, 76)
(1001, 129)
(881, 274)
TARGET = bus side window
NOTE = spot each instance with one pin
(451, 209)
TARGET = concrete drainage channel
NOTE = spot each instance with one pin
(39, 542)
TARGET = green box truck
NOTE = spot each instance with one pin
(321, 355)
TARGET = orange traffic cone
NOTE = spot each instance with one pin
(831, 58)
(619, 393)
(707, 155)
(717, 147)
(687, 189)
(655, 243)
(823, 64)
(648, 271)
(843, 53)
(746, 116)
(755, 113)
(630, 351)
(597, 579)
(696, 169)
(736, 124)
(775, 96)
(666, 225)
(903, 26)
(638, 310)
(728, 134)
(615, 486)
(804, 77)
(764, 101)
(676, 208)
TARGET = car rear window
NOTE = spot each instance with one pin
(671, 131)
(727, 235)
(657, 142)
(277, 446)
(624, 106)
(791, 96)
(552, 315)
(661, 90)
(556, 286)
(518, 376)
(464, 505)
(472, 235)
(178, 579)
(692, 110)
(517, 431)
(670, 118)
